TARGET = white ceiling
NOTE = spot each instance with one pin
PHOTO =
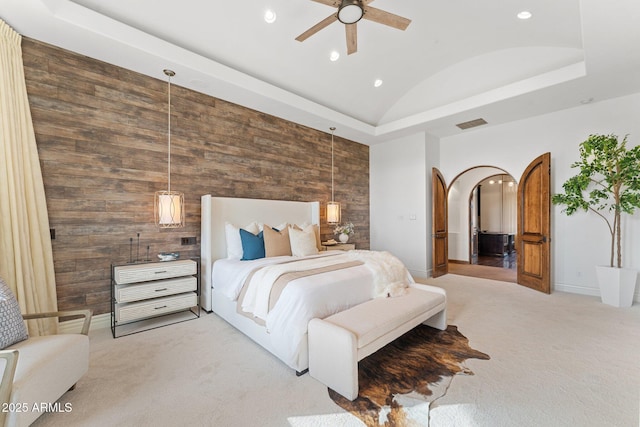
(457, 61)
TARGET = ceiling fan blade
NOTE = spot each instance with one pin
(386, 18)
(352, 38)
(319, 26)
(334, 3)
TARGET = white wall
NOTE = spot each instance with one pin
(457, 221)
(401, 185)
(400, 214)
(579, 242)
(498, 207)
(491, 208)
(458, 200)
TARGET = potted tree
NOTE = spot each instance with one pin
(608, 184)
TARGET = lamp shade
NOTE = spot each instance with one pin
(333, 212)
(169, 209)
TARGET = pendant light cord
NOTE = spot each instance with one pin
(332, 130)
(169, 134)
(169, 74)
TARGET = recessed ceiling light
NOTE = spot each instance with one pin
(334, 56)
(270, 16)
(377, 83)
(525, 14)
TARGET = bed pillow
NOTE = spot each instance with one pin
(232, 235)
(303, 242)
(252, 245)
(12, 327)
(316, 230)
(276, 243)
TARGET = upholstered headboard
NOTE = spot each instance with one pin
(216, 211)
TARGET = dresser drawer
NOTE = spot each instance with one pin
(158, 288)
(133, 273)
(128, 312)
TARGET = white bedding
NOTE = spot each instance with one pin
(256, 299)
(303, 299)
(228, 275)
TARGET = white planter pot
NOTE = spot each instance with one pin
(617, 285)
(344, 238)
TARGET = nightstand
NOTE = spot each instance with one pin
(339, 247)
(142, 293)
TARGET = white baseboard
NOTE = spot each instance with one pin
(575, 289)
(583, 290)
(100, 321)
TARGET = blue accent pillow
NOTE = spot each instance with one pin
(252, 245)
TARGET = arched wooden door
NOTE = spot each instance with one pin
(533, 241)
(439, 229)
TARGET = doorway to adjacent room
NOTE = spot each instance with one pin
(482, 224)
(531, 242)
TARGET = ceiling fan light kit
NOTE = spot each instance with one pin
(350, 11)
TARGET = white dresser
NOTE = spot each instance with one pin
(154, 294)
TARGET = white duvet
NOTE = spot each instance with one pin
(305, 298)
(257, 296)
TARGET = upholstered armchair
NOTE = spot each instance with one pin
(37, 371)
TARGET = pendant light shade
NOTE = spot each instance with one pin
(333, 207)
(333, 212)
(169, 209)
(169, 205)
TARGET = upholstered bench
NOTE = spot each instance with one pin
(338, 342)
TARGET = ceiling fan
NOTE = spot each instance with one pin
(349, 13)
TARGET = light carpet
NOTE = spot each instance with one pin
(411, 372)
(556, 360)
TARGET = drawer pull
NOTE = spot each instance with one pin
(160, 308)
(160, 290)
(160, 272)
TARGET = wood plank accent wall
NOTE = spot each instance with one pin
(101, 133)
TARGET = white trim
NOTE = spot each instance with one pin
(583, 290)
(100, 321)
(575, 289)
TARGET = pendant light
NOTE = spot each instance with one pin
(333, 207)
(169, 205)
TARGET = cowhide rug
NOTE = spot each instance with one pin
(414, 365)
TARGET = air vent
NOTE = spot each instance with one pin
(472, 123)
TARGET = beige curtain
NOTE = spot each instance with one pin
(26, 260)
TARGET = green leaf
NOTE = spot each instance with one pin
(608, 180)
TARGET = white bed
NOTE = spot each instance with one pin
(286, 341)
(215, 212)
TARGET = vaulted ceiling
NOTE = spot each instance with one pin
(457, 61)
